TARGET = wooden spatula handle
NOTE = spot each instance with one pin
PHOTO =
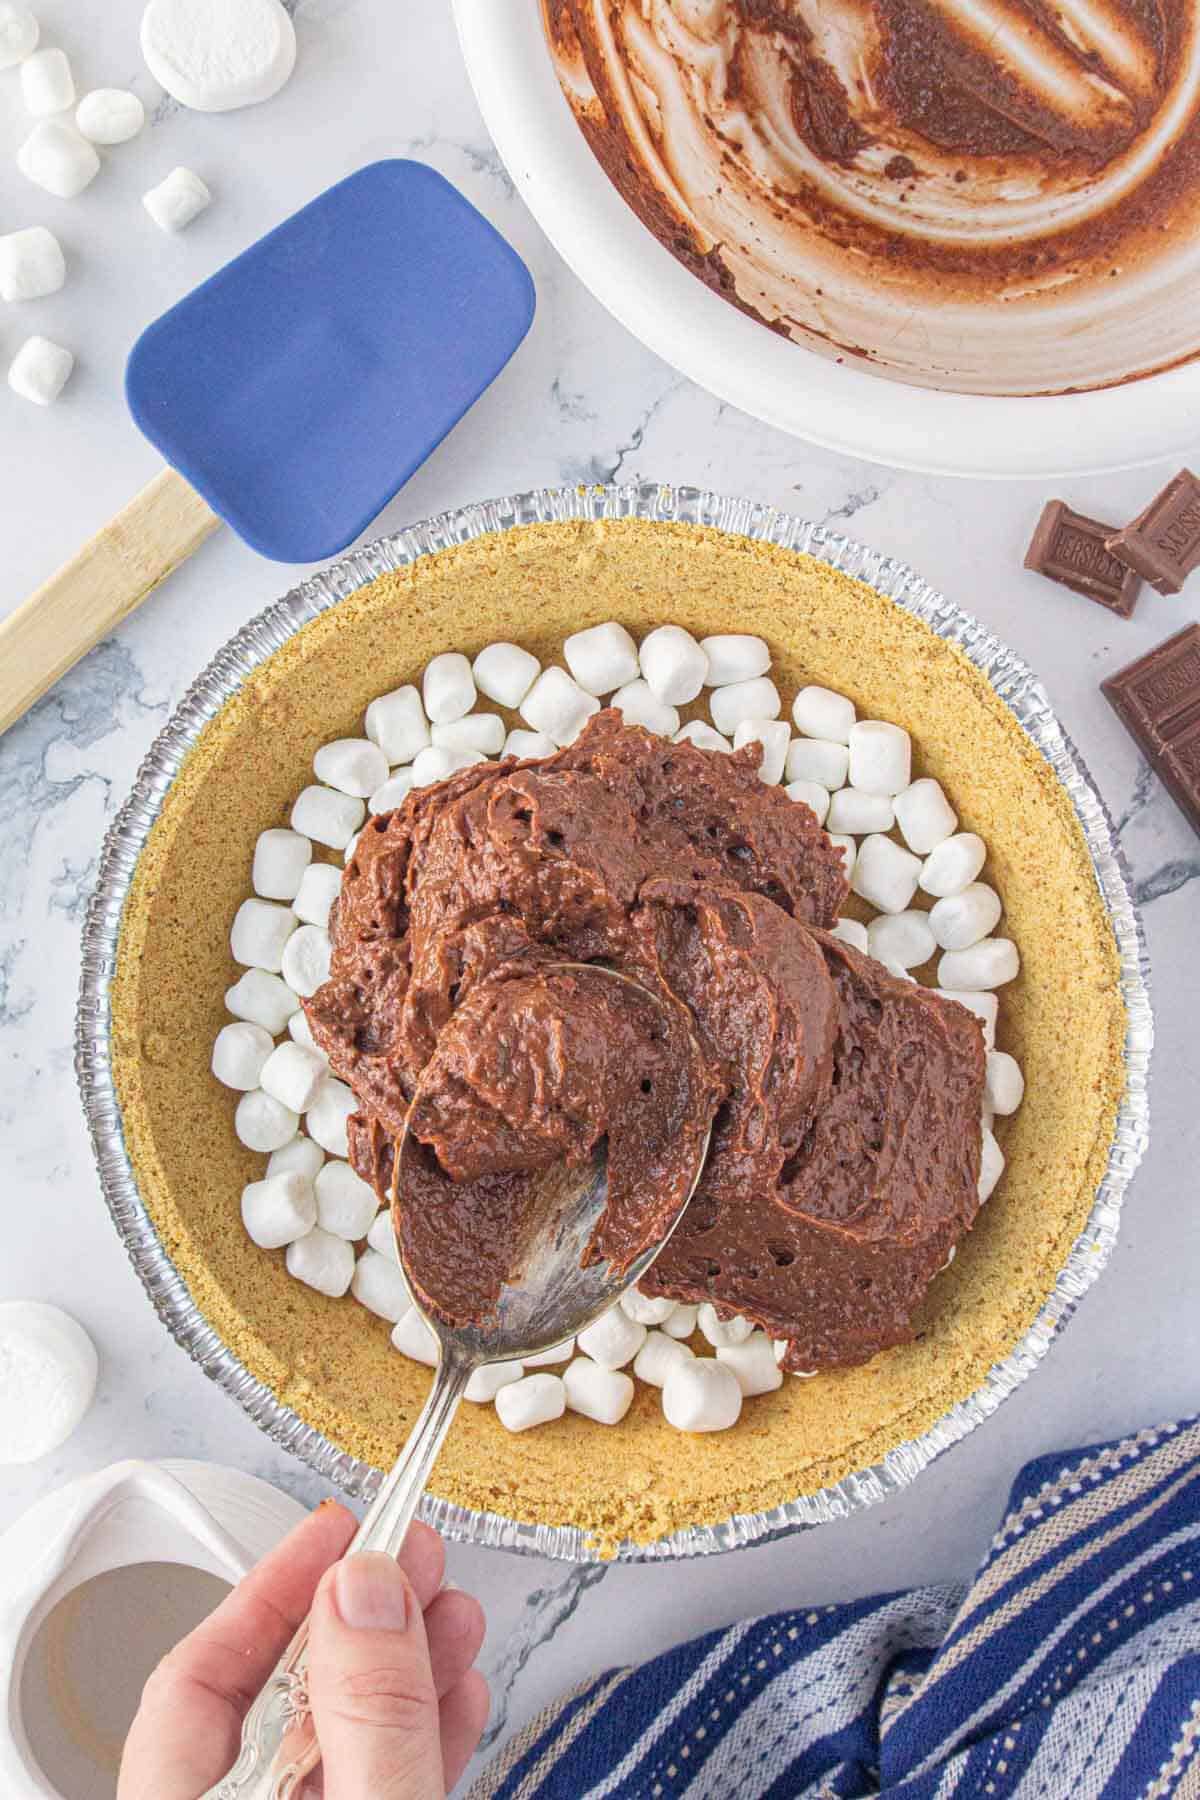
(95, 590)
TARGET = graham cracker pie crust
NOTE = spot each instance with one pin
(330, 1361)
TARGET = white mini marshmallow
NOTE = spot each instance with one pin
(705, 737)
(397, 723)
(722, 1332)
(991, 1166)
(902, 938)
(812, 795)
(853, 933)
(19, 33)
(880, 757)
(351, 765)
(478, 731)
(604, 1395)
(852, 811)
(960, 920)
(658, 1356)
(319, 887)
(734, 656)
(294, 1075)
(486, 1383)
(755, 699)
(32, 264)
(214, 55)
(264, 1123)
(682, 1321)
(302, 1157)
(637, 705)
(602, 658)
(240, 1054)
(646, 1309)
(819, 760)
(558, 706)
(260, 933)
(40, 370)
(280, 859)
(925, 816)
(351, 847)
(382, 1235)
(346, 1204)
(1004, 1087)
(885, 876)
(448, 687)
(847, 845)
(753, 1364)
(56, 158)
(528, 746)
(413, 1338)
(261, 999)
(774, 735)
(701, 1395)
(47, 84)
(327, 817)
(322, 1262)
(534, 1400)
(110, 116)
(306, 956)
(279, 1210)
(985, 1006)
(391, 793)
(380, 1287)
(179, 198)
(438, 763)
(820, 713)
(613, 1339)
(899, 971)
(987, 964)
(326, 1117)
(953, 865)
(50, 1369)
(673, 665)
(505, 673)
(557, 1353)
(300, 1031)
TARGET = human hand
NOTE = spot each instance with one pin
(397, 1705)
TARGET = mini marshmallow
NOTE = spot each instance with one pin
(240, 1054)
(638, 706)
(301, 1156)
(880, 757)
(604, 1395)
(853, 933)
(322, 1262)
(557, 1353)
(478, 731)
(756, 699)
(50, 1368)
(733, 657)
(259, 934)
(753, 1364)
(925, 816)
(19, 33)
(264, 1123)
(346, 1205)
(528, 746)
(819, 760)
(505, 673)
(280, 859)
(602, 659)
(261, 999)
(351, 847)
(722, 1332)
(953, 865)
(852, 811)
(701, 1395)
(397, 723)
(391, 793)
(380, 1287)
(47, 84)
(646, 1309)
(1004, 1086)
(413, 1338)
(327, 817)
(774, 735)
(658, 1356)
(178, 199)
(32, 264)
(326, 1117)
(987, 964)
(885, 876)
(960, 920)
(820, 713)
(985, 1006)
(352, 766)
(991, 1166)
(558, 706)
(848, 847)
(294, 1075)
(279, 1210)
(306, 956)
(110, 116)
(682, 1321)
(534, 1400)
(437, 763)
(902, 938)
(486, 1383)
(56, 158)
(319, 887)
(448, 687)
(613, 1339)
(382, 1235)
(899, 971)
(40, 370)
(673, 665)
(812, 795)
(705, 737)
(300, 1031)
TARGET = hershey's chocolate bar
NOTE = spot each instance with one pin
(1163, 542)
(1072, 549)
(1157, 699)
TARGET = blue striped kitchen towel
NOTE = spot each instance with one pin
(1069, 1669)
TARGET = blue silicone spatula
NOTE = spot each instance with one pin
(291, 395)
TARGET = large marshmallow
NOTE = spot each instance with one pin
(261, 999)
(604, 1395)
(985, 1006)
(56, 158)
(885, 876)
(925, 816)
(505, 673)
(774, 735)
(637, 705)
(903, 938)
(820, 713)
(50, 1369)
(326, 1117)
(179, 198)
(754, 699)
(673, 665)
(658, 1356)
(294, 1075)
(263, 1123)
(478, 731)
(40, 370)
(987, 964)
(991, 1166)
(602, 658)
(437, 764)
(960, 920)
(259, 934)
(753, 1364)
(486, 1383)
(32, 264)
(319, 887)
(448, 687)
(240, 1054)
(306, 955)
(852, 932)
(214, 55)
(301, 1156)
(47, 84)
(646, 1309)
(280, 859)
(534, 1400)
(322, 1262)
(413, 1338)
(701, 1395)
(19, 33)
(558, 706)
(379, 1286)
(880, 757)
(529, 746)
(110, 116)
(613, 1339)
(734, 656)
(279, 1209)
(391, 793)
(855, 813)
(819, 760)
(705, 737)
(397, 723)
(953, 864)
(352, 766)
(812, 795)
(1004, 1087)
(326, 816)
(722, 1332)
(346, 1204)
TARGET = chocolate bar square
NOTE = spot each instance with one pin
(1157, 699)
(1072, 549)
(1163, 542)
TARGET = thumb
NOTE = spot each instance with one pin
(370, 1685)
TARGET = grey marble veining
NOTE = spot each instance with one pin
(581, 401)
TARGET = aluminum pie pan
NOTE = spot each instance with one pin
(1029, 704)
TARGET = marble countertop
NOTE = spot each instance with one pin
(582, 400)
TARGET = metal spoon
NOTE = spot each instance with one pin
(553, 1298)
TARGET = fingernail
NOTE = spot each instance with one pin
(372, 1593)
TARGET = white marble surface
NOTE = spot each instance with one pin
(582, 399)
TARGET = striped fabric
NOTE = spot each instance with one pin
(1069, 1669)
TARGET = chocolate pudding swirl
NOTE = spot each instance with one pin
(845, 1102)
(994, 196)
